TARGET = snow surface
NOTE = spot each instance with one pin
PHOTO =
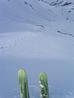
(39, 36)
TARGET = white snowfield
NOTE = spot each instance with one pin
(37, 45)
(38, 35)
(37, 28)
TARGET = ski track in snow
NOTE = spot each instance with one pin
(29, 44)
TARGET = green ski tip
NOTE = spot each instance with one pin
(43, 81)
(22, 76)
(43, 76)
(23, 81)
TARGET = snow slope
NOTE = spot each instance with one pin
(37, 28)
(20, 15)
(38, 35)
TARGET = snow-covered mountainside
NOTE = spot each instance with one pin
(39, 36)
(43, 28)
(16, 15)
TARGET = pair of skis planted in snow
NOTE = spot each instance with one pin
(23, 81)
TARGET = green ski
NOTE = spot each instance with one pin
(44, 93)
(23, 81)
